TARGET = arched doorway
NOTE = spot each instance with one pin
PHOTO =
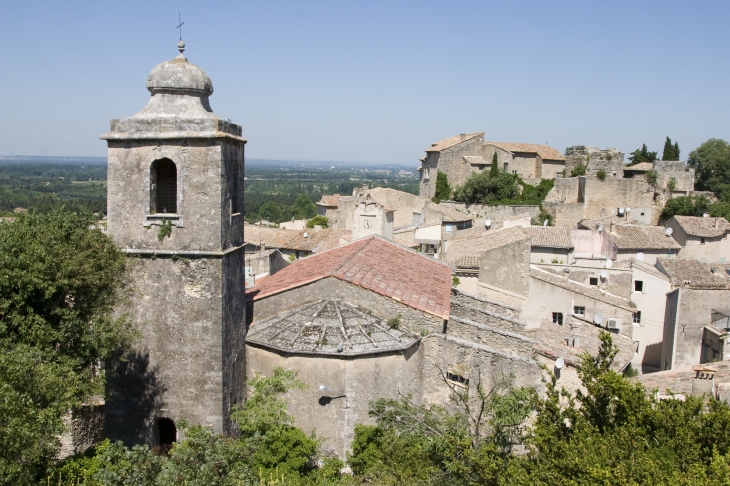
(163, 187)
(167, 433)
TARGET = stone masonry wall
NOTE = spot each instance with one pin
(450, 162)
(507, 267)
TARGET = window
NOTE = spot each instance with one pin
(505, 166)
(558, 318)
(514, 172)
(429, 249)
(593, 281)
(702, 241)
(638, 286)
(458, 374)
(636, 317)
(579, 310)
(163, 187)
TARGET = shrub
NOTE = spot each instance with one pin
(394, 323)
(651, 177)
(455, 281)
(672, 183)
(601, 174)
(579, 170)
(318, 220)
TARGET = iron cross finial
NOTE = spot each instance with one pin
(179, 25)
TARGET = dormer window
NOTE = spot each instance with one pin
(163, 187)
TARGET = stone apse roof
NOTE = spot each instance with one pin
(550, 237)
(544, 151)
(703, 227)
(329, 327)
(635, 237)
(694, 274)
(451, 141)
(375, 264)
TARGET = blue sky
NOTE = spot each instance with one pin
(374, 81)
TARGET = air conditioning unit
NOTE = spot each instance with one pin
(614, 324)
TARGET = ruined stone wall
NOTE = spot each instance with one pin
(610, 160)
(496, 214)
(202, 189)
(507, 267)
(564, 190)
(564, 214)
(684, 176)
(461, 301)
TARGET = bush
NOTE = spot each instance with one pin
(443, 189)
(455, 281)
(318, 220)
(578, 170)
(601, 174)
(651, 177)
(685, 206)
(394, 323)
(671, 183)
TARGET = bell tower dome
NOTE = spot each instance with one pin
(174, 204)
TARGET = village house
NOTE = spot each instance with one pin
(711, 379)
(699, 290)
(528, 160)
(372, 319)
(705, 239)
(644, 243)
(293, 243)
(328, 206)
(550, 244)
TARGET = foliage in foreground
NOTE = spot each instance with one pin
(614, 433)
(711, 162)
(499, 187)
(58, 284)
(695, 206)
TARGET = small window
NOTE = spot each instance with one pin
(514, 172)
(163, 187)
(458, 374)
(636, 317)
(558, 318)
(638, 286)
(702, 241)
(505, 166)
(593, 281)
(579, 310)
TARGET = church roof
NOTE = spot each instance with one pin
(372, 263)
(451, 141)
(544, 151)
(329, 327)
(179, 76)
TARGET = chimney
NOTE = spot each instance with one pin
(575, 339)
(716, 221)
(611, 230)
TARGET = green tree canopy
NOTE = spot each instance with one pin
(671, 152)
(303, 208)
(642, 155)
(711, 162)
(443, 189)
(318, 220)
(494, 169)
(483, 188)
(58, 284)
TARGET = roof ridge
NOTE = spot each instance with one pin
(578, 283)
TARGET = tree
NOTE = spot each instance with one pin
(494, 169)
(711, 162)
(58, 285)
(578, 170)
(485, 189)
(303, 208)
(686, 206)
(642, 155)
(671, 152)
(318, 220)
(443, 189)
(601, 174)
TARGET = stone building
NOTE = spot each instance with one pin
(698, 289)
(705, 239)
(372, 319)
(528, 160)
(175, 203)
(594, 159)
(644, 243)
(461, 156)
(550, 244)
(327, 206)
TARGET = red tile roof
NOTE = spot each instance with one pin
(451, 141)
(544, 151)
(330, 201)
(375, 264)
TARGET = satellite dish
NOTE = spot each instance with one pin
(628, 209)
(598, 318)
(609, 263)
(545, 223)
(488, 223)
(668, 231)
(324, 388)
(706, 215)
(640, 256)
(340, 348)
(559, 363)
(621, 210)
(600, 227)
(604, 274)
(305, 234)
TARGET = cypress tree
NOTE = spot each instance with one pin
(671, 152)
(676, 150)
(494, 171)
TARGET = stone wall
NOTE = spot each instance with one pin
(449, 161)
(610, 160)
(460, 301)
(684, 176)
(496, 214)
(507, 267)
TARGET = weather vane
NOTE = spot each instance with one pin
(180, 25)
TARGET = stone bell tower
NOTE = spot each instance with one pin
(175, 204)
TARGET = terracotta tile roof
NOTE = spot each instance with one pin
(552, 341)
(633, 262)
(703, 227)
(694, 274)
(309, 240)
(469, 262)
(643, 166)
(484, 241)
(579, 288)
(475, 160)
(544, 151)
(374, 264)
(679, 381)
(636, 237)
(294, 239)
(406, 243)
(448, 215)
(333, 239)
(451, 141)
(550, 237)
(330, 201)
(273, 237)
(593, 223)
